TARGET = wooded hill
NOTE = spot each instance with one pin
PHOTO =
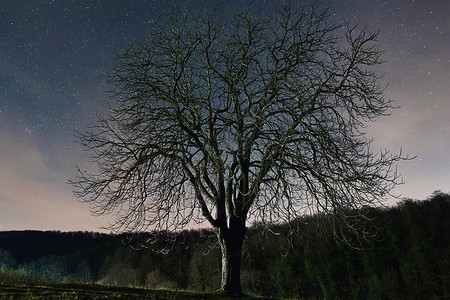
(408, 258)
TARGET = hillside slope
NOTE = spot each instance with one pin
(408, 258)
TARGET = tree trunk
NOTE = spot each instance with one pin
(231, 240)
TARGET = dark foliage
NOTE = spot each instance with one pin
(409, 258)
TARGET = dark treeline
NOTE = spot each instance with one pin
(408, 258)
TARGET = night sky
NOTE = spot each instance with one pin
(54, 56)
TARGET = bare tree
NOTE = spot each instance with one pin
(261, 117)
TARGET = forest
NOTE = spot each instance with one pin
(409, 257)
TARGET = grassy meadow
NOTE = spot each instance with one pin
(91, 291)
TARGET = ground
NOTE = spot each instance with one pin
(78, 291)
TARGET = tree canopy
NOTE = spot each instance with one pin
(260, 117)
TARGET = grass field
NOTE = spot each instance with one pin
(79, 291)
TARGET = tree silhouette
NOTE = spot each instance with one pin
(260, 117)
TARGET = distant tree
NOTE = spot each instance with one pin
(258, 117)
(7, 259)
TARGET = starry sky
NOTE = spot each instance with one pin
(54, 56)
